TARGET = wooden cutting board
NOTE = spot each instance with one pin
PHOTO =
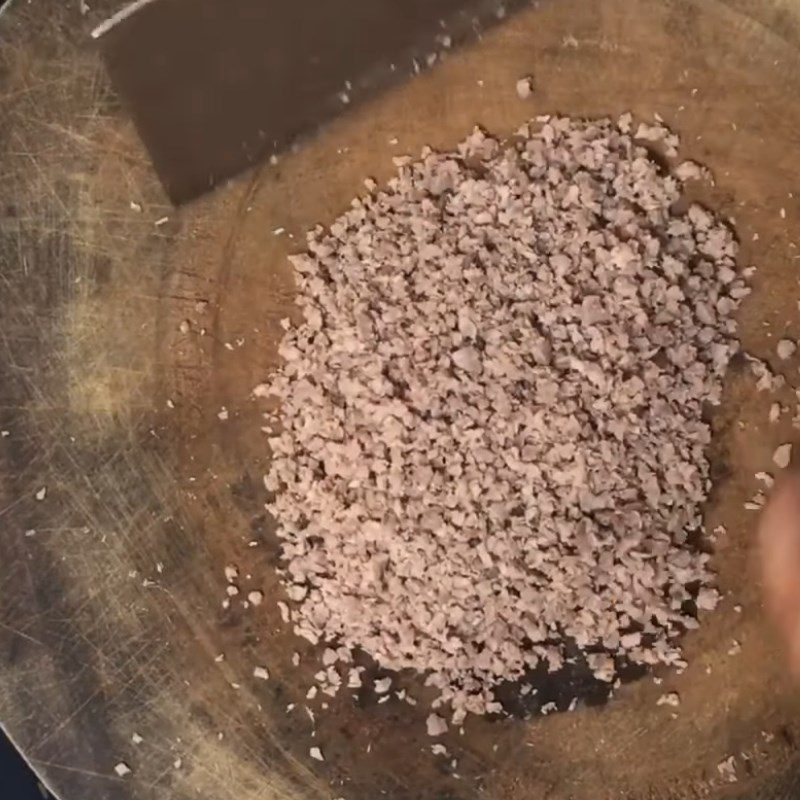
(127, 327)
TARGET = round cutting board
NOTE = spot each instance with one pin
(131, 335)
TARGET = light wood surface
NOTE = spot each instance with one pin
(110, 610)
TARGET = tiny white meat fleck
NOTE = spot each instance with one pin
(669, 699)
(435, 725)
(524, 87)
(255, 597)
(782, 455)
(786, 348)
(316, 754)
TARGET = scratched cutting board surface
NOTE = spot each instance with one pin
(111, 584)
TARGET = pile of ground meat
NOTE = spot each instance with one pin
(491, 437)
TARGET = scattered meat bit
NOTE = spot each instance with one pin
(669, 699)
(691, 171)
(262, 673)
(767, 380)
(765, 478)
(756, 502)
(354, 679)
(255, 598)
(707, 599)
(316, 754)
(786, 348)
(782, 455)
(435, 725)
(727, 770)
(284, 609)
(524, 87)
(735, 648)
(382, 685)
(775, 411)
(136, 738)
(122, 769)
(231, 573)
(41, 493)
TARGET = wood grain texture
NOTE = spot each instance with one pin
(110, 611)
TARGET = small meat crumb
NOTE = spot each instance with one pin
(262, 673)
(727, 769)
(284, 609)
(669, 699)
(525, 87)
(316, 754)
(122, 769)
(786, 348)
(435, 725)
(782, 456)
(255, 597)
(765, 478)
